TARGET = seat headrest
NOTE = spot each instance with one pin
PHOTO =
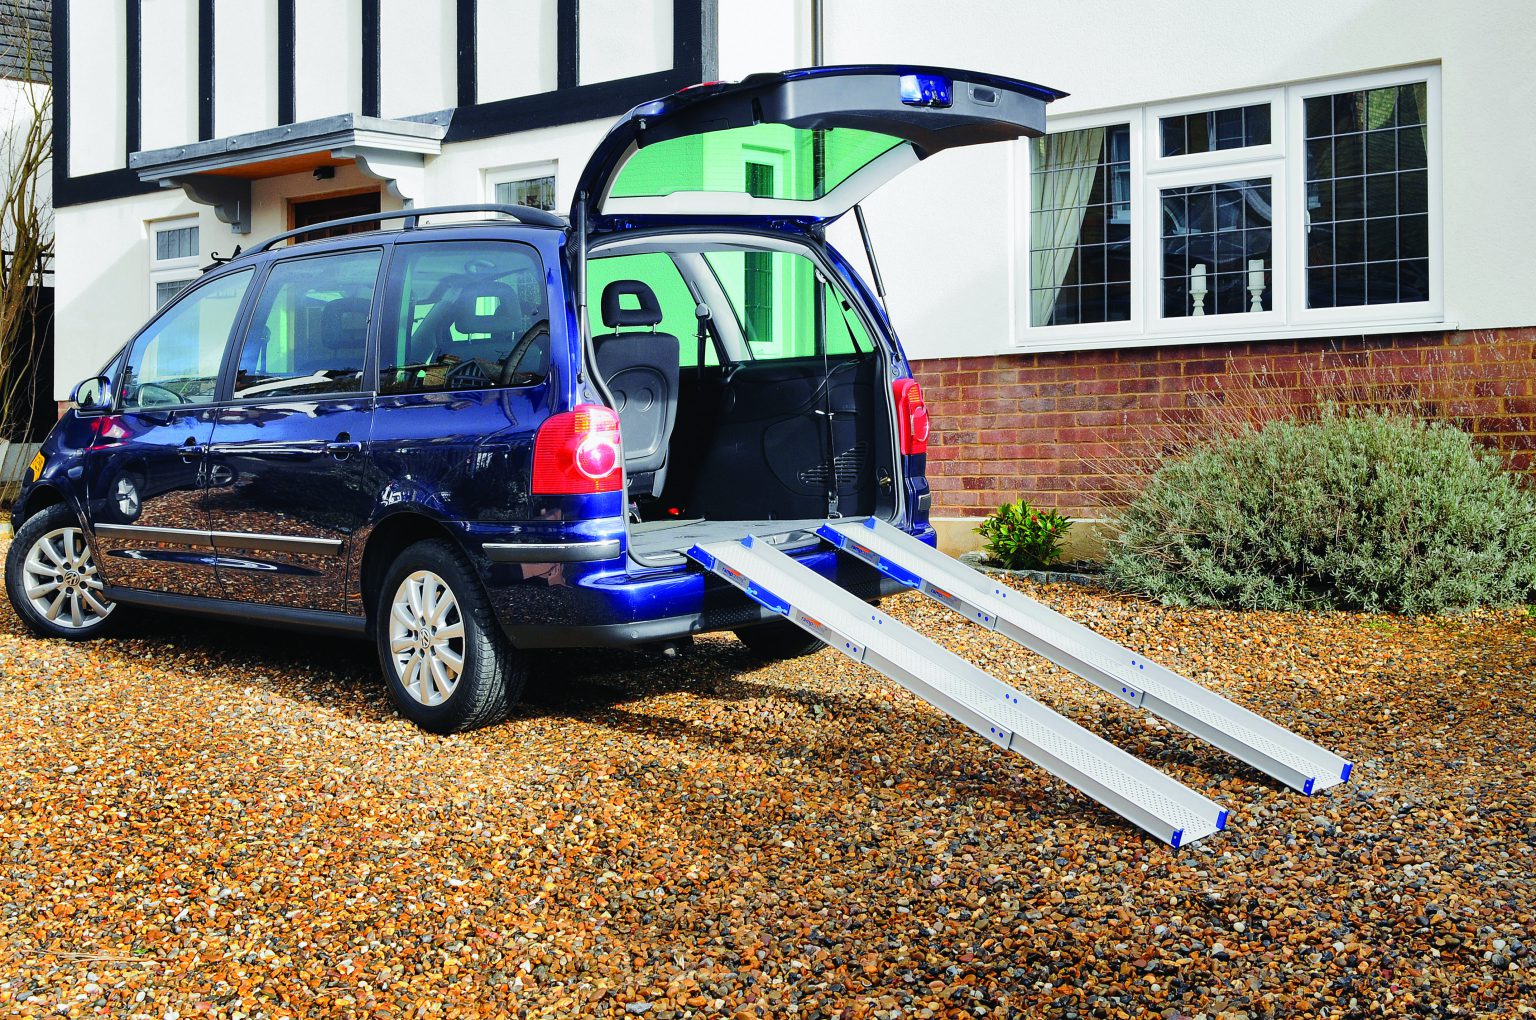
(504, 316)
(615, 315)
(344, 323)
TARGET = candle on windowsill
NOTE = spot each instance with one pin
(1256, 284)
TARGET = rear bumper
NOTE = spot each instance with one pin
(574, 605)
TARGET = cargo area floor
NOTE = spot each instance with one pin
(663, 542)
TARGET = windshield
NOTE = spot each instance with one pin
(773, 161)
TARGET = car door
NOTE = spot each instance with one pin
(288, 479)
(145, 470)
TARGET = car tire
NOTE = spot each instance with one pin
(52, 579)
(778, 639)
(448, 666)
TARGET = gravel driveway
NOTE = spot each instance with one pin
(210, 820)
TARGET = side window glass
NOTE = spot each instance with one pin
(845, 330)
(679, 311)
(774, 297)
(309, 333)
(464, 315)
(176, 359)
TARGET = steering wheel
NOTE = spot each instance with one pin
(509, 367)
(146, 401)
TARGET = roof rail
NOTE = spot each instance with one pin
(521, 213)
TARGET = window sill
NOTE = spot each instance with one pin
(1082, 342)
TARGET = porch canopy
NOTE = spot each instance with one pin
(219, 171)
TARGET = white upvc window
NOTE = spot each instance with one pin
(1274, 212)
(530, 184)
(175, 257)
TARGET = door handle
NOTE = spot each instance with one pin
(191, 450)
(341, 448)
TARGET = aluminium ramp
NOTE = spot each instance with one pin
(1128, 675)
(1167, 809)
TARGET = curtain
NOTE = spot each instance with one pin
(1066, 165)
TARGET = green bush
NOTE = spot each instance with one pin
(1021, 537)
(1354, 511)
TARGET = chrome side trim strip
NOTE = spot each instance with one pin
(191, 539)
(185, 537)
(275, 543)
(553, 552)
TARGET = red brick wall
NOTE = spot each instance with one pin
(1075, 430)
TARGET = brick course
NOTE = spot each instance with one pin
(1075, 430)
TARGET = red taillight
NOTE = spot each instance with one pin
(110, 431)
(578, 452)
(911, 416)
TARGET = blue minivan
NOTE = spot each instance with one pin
(415, 435)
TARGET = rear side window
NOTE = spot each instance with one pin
(464, 315)
(775, 295)
(309, 333)
(176, 359)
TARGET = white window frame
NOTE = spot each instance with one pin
(182, 270)
(521, 172)
(1284, 162)
(1084, 334)
(1207, 173)
(1405, 312)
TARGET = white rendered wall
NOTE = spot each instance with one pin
(244, 67)
(763, 37)
(18, 100)
(623, 38)
(101, 277)
(515, 48)
(97, 94)
(418, 65)
(168, 70)
(327, 58)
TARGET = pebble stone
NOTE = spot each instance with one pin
(208, 820)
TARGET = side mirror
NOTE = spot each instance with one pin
(93, 394)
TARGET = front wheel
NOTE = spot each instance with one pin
(52, 580)
(448, 666)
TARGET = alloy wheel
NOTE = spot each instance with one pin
(426, 637)
(61, 582)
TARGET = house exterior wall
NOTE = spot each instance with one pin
(952, 235)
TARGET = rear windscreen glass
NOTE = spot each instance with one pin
(764, 161)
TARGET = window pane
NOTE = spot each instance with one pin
(534, 192)
(175, 243)
(788, 287)
(309, 333)
(814, 160)
(1232, 128)
(1080, 189)
(176, 359)
(1217, 249)
(471, 315)
(1369, 245)
(166, 290)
